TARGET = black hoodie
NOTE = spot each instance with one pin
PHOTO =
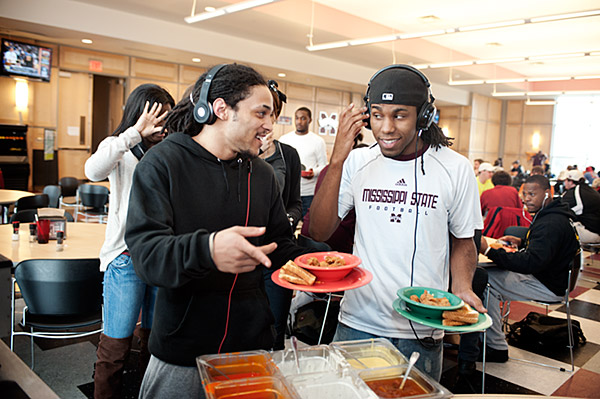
(180, 194)
(548, 249)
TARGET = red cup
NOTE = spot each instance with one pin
(43, 231)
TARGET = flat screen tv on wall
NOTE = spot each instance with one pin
(26, 60)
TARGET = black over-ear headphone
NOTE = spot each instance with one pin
(427, 111)
(203, 111)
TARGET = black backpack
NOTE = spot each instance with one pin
(309, 319)
(537, 332)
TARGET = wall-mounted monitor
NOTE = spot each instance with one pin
(26, 60)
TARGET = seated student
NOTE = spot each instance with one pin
(585, 202)
(501, 195)
(539, 269)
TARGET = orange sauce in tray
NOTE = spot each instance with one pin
(390, 387)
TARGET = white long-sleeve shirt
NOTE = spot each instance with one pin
(114, 160)
(313, 155)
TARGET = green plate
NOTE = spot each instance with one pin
(483, 322)
(428, 311)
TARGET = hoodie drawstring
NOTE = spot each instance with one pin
(224, 175)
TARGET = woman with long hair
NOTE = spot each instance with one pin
(124, 293)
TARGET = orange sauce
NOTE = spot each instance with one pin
(390, 387)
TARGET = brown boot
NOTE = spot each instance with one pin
(112, 354)
(143, 335)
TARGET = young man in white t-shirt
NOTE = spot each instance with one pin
(413, 197)
(312, 152)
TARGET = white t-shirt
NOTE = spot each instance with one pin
(382, 190)
(313, 155)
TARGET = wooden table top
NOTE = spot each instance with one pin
(84, 240)
(8, 197)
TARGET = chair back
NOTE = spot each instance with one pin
(60, 286)
(26, 216)
(516, 231)
(93, 196)
(53, 192)
(500, 217)
(32, 202)
(68, 186)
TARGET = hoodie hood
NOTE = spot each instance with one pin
(558, 206)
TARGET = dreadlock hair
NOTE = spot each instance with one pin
(233, 84)
(435, 137)
(134, 107)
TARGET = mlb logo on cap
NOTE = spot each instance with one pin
(387, 96)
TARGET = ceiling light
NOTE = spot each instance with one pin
(560, 17)
(371, 40)
(465, 82)
(508, 94)
(586, 77)
(552, 56)
(450, 64)
(508, 80)
(281, 75)
(499, 60)
(87, 41)
(446, 31)
(244, 5)
(540, 102)
(209, 9)
(429, 18)
(548, 79)
(544, 93)
(493, 44)
(196, 60)
(492, 25)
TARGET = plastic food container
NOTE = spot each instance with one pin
(385, 383)
(236, 366)
(312, 359)
(253, 388)
(372, 353)
(341, 385)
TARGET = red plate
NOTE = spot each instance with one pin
(357, 278)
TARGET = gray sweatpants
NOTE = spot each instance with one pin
(164, 380)
(510, 286)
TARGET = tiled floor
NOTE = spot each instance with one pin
(67, 367)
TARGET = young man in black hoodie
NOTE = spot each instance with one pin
(539, 270)
(204, 214)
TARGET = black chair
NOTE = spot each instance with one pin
(26, 216)
(93, 202)
(53, 192)
(68, 196)
(60, 295)
(571, 284)
(516, 231)
(32, 202)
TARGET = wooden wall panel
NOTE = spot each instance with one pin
(300, 92)
(512, 141)
(75, 59)
(45, 109)
(514, 112)
(72, 163)
(74, 110)
(494, 112)
(538, 114)
(327, 96)
(154, 70)
(189, 74)
(172, 88)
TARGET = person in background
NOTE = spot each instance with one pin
(517, 169)
(124, 293)
(312, 151)
(596, 184)
(590, 174)
(286, 163)
(539, 158)
(537, 170)
(411, 150)
(498, 162)
(476, 164)
(502, 194)
(585, 202)
(539, 270)
(484, 180)
(204, 214)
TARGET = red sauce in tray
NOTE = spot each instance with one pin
(237, 376)
(390, 387)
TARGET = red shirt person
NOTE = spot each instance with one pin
(503, 194)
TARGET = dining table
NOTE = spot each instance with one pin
(9, 197)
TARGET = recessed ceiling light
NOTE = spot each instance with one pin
(87, 41)
(196, 59)
(281, 75)
(429, 18)
(493, 44)
(209, 9)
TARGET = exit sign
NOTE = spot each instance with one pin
(95, 66)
